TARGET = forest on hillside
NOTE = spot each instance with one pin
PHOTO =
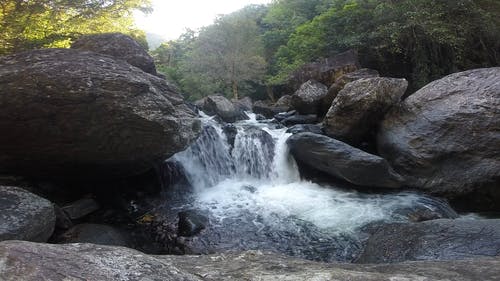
(252, 51)
(260, 46)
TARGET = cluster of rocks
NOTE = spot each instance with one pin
(99, 114)
(365, 130)
(77, 125)
(355, 126)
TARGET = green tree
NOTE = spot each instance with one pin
(421, 40)
(280, 22)
(227, 55)
(27, 24)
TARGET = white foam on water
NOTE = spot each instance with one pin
(246, 179)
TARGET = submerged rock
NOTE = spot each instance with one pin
(442, 239)
(291, 236)
(33, 262)
(95, 234)
(119, 46)
(445, 138)
(68, 113)
(359, 108)
(343, 161)
(191, 223)
(427, 208)
(24, 215)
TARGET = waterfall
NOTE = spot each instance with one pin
(245, 180)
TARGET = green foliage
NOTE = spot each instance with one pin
(223, 58)
(421, 40)
(26, 24)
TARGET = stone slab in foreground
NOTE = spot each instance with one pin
(32, 261)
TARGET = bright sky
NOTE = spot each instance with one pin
(170, 18)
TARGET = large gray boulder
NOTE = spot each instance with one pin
(340, 83)
(30, 261)
(25, 216)
(441, 239)
(307, 99)
(343, 161)
(360, 106)
(70, 113)
(222, 107)
(445, 138)
(119, 46)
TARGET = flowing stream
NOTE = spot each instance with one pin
(243, 178)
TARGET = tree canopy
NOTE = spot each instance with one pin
(420, 40)
(30, 24)
(257, 48)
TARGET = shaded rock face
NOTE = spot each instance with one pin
(30, 262)
(445, 138)
(119, 46)
(222, 107)
(339, 84)
(95, 234)
(73, 114)
(25, 216)
(307, 99)
(343, 161)
(360, 107)
(299, 119)
(305, 128)
(441, 239)
(284, 102)
(80, 208)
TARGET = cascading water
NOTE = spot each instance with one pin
(252, 192)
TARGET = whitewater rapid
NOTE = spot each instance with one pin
(247, 178)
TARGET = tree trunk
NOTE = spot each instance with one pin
(270, 93)
(235, 90)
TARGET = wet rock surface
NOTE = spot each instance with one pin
(292, 237)
(441, 239)
(343, 161)
(305, 128)
(24, 215)
(445, 138)
(68, 113)
(31, 261)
